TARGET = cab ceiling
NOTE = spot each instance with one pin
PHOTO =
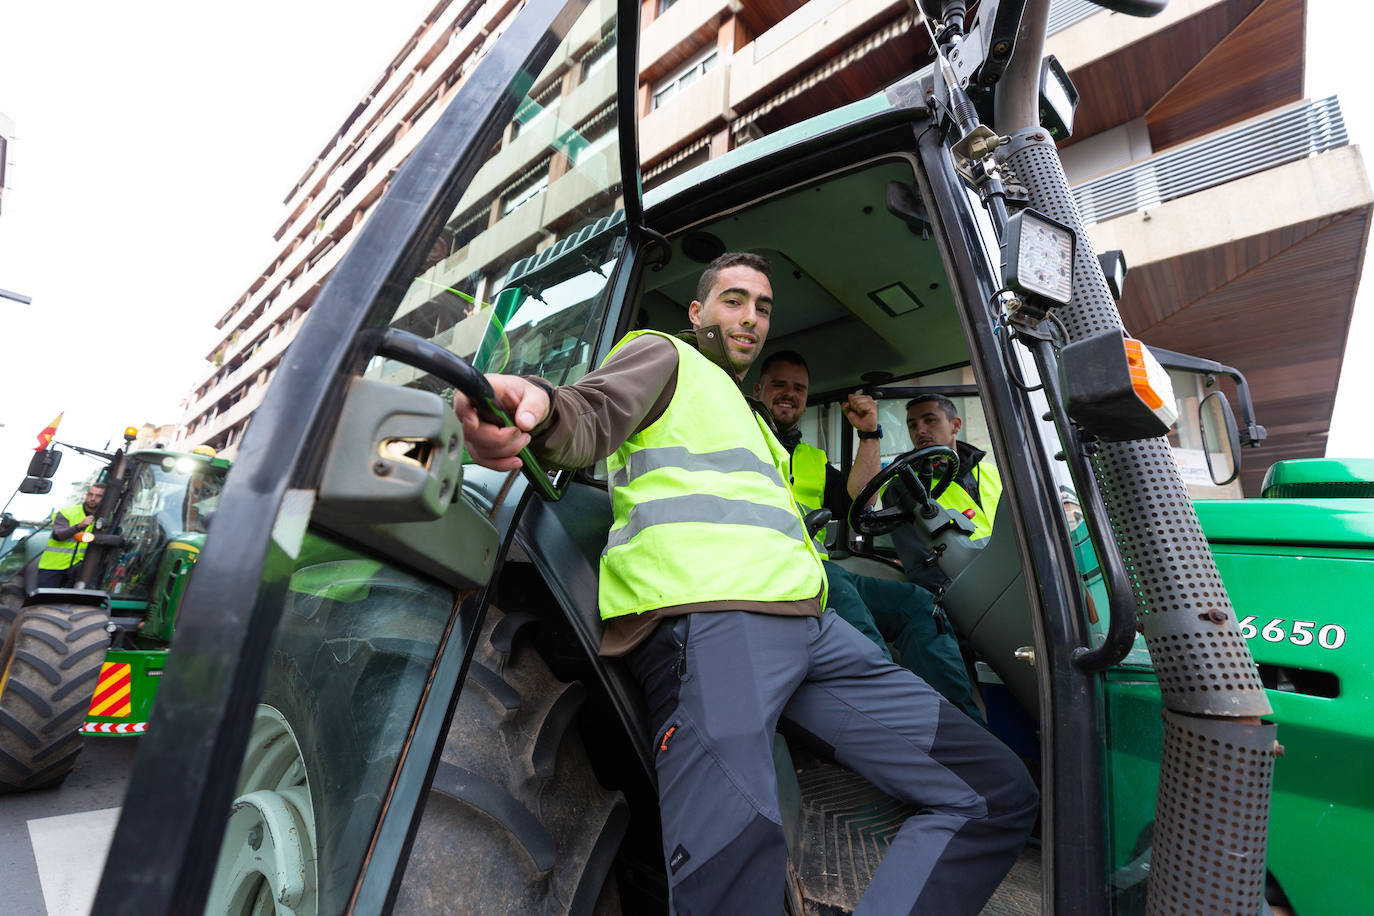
(832, 243)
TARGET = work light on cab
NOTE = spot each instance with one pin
(1037, 263)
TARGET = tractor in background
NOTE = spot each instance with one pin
(87, 659)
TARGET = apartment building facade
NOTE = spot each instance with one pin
(1194, 151)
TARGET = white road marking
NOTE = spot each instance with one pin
(70, 851)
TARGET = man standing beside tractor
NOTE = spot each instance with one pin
(64, 553)
(711, 589)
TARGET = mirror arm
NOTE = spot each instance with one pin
(1252, 435)
(1016, 103)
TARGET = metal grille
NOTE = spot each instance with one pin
(1064, 13)
(1220, 774)
(1296, 133)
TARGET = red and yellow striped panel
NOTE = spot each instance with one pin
(113, 695)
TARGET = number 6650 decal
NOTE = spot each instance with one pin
(1301, 633)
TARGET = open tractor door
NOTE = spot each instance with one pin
(385, 689)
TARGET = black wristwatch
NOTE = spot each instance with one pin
(875, 434)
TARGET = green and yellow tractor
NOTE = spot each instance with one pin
(86, 660)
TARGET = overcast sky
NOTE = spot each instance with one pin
(156, 142)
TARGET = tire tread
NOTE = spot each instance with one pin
(54, 664)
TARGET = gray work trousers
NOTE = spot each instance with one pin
(716, 685)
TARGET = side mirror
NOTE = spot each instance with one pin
(1220, 438)
(36, 485)
(44, 464)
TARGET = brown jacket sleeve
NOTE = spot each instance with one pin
(592, 418)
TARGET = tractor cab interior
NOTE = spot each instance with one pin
(861, 290)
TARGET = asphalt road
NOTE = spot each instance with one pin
(53, 842)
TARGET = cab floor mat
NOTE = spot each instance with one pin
(845, 826)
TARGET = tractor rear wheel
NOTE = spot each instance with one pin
(48, 671)
(516, 821)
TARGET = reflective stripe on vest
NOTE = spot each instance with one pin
(708, 510)
(808, 483)
(675, 456)
(702, 511)
(957, 499)
(64, 554)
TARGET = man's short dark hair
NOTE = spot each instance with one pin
(791, 357)
(945, 404)
(729, 259)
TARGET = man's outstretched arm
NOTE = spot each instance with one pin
(583, 422)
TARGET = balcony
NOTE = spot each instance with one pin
(1295, 133)
(799, 42)
(700, 107)
(674, 36)
(1246, 246)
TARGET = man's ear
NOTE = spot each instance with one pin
(758, 391)
(956, 423)
(694, 313)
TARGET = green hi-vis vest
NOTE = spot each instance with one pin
(702, 508)
(64, 554)
(956, 499)
(808, 483)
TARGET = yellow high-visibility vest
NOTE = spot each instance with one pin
(702, 510)
(64, 554)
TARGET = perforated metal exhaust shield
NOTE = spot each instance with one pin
(1215, 774)
(1217, 816)
(1202, 661)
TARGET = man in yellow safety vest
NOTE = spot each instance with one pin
(713, 594)
(932, 419)
(63, 552)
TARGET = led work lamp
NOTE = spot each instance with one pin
(1058, 99)
(1037, 259)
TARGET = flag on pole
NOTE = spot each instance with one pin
(49, 431)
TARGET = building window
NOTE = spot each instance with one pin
(591, 137)
(665, 89)
(663, 6)
(599, 55)
(518, 195)
(532, 108)
(473, 227)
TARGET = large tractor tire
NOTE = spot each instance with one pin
(516, 821)
(51, 661)
(11, 602)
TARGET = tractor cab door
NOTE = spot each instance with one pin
(329, 622)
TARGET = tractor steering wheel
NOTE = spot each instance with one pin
(871, 521)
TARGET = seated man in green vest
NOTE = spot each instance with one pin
(63, 553)
(713, 594)
(884, 610)
(932, 419)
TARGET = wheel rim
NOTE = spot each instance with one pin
(268, 861)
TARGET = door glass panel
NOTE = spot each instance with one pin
(346, 672)
(550, 182)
